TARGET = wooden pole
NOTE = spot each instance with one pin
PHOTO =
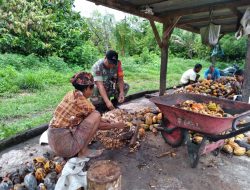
(164, 59)
(156, 33)
(163, 71)
(246, 83)
(104, 175)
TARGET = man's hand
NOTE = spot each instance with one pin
(110, 105)
(121, 98)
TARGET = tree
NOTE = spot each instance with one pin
(41, 27)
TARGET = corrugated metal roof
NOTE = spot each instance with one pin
(194, 13)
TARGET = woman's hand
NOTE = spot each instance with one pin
(109, 105)
(119, 125)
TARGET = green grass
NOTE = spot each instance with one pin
(32, 93)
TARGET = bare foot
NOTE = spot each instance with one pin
(91, 153)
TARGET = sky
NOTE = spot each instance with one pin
(86, 8)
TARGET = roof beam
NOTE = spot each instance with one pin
(189, 28)
(151, 2)
(206, 19)
(156, 33)
(238, 14)
(204, 8)
(129, 8)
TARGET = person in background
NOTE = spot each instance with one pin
(237, 85)
(212, 73)
(191, 76)
(109, 82)
(75, 121)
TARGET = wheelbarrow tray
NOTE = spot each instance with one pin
(205, 124)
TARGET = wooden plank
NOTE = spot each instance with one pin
(156, 33)
(190, 28)
(126, 7)
(171, 27)
(147, 2)
(151, 2)
(205, 19)
(246, 83)
(238, 14)
(204, 8)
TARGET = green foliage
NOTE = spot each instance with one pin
(41, 27)
(234, 49)
(188, 45)
(18, 72)
(29, 80)
(102, 29)
(84, 55)
(8, 75)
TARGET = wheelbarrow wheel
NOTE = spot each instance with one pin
(174, 138)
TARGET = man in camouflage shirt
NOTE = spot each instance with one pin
(108, 77)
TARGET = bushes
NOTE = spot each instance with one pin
(84, 55)
(8, 76)
(42, 28)
(29, 81)
(18, 72)
(234, 49)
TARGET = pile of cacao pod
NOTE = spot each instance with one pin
(218, 88)
(210, 108)
(146, 119)
(239, 145)
(41, 174)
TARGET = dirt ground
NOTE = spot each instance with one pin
(143, 170)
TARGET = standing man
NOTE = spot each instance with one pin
(212, 73)
(191, 75)
(108, 77)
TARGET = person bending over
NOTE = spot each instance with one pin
(75, 121)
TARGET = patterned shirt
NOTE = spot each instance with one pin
(109, 77)
(72, 110)
(237, 87)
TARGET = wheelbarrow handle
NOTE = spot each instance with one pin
(245, 127)
(239, 117)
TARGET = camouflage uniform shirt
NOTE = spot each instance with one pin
(109, 77)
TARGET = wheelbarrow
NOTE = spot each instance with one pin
(177, 122)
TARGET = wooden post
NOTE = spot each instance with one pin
(168, 27)
(246, 83)
(164, 59)
(104, 175)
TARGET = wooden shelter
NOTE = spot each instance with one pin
(190, 15)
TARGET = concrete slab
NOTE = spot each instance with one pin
(142, 170)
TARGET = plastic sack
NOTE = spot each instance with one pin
(245, 25)
(217, 51)
(210, 34)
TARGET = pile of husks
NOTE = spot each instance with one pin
(210, 108)
(41, 174)
(136, 124)
(218, 88)
(239, 145)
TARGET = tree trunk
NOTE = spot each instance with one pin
(104, 175)
(246, 83)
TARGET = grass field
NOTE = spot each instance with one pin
(24, 107)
